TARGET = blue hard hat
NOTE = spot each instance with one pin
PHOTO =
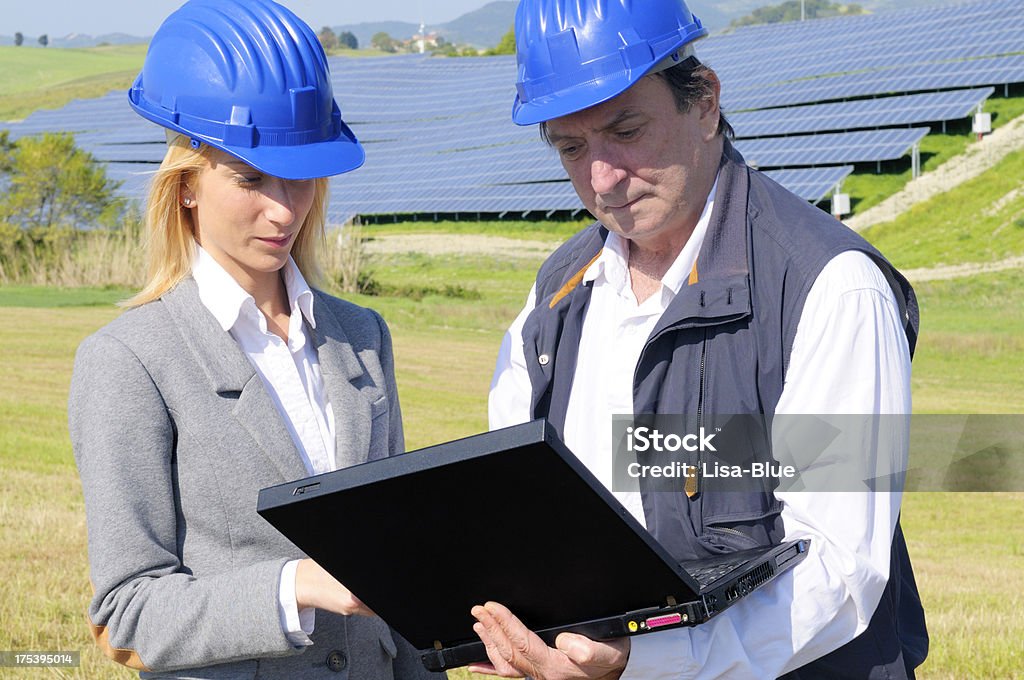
(251, 79)
(574, 54)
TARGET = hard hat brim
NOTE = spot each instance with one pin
(576, 99)
(308, 161)
(330, 157)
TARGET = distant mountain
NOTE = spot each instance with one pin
(78, 40)
(716, 14)
(711, 15)
(83, 40)
(481, 28)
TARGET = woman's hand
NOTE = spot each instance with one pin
(314, 587)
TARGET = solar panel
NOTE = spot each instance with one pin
(811, 184)
(864, 113)
(829, 149)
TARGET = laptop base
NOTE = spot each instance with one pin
(719, 594)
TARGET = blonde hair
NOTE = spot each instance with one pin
(170, 234)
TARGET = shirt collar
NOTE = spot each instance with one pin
(299, 293)
(221, 294)
(613, 263)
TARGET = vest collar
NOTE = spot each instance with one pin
(718, 289)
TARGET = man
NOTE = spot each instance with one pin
(704, 287)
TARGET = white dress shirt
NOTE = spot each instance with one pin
(291, 373)
(849, 356)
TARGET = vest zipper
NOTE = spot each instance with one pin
(700, 415)
(729, 530)
(700, 395)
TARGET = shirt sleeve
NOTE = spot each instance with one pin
(509, 400)
(850, 356)
(297, 624)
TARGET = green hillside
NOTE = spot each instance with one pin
(982, 220)
(32, 79)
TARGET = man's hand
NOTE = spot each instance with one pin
(515, 651)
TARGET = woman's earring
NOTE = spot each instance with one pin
(187, 202)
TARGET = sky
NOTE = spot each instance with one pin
(57, 18)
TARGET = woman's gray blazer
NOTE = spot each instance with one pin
(174, 434)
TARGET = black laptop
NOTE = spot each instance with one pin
(510, 516)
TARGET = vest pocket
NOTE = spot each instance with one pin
(733, 521)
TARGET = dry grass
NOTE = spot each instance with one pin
(117, 258)
(87, 259)
(44, 584)
(968, 552)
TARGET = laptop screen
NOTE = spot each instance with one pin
(509, 515)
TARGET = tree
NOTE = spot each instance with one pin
(44, 40)
(383, 41)
(6, 155)
(328, 39)
(348, 39)
(18, 39)
(51, 183)
(507, 44)
(444, 49)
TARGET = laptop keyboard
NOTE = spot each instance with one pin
(712, 572)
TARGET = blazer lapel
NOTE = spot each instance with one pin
(351, 391)
(232, 376)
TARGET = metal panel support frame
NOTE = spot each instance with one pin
(915, 161)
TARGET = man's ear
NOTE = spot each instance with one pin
(711, 113)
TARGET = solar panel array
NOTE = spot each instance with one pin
(826, 59)
(439, 138)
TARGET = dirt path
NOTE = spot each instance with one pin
(955, 271)
(457, 244)
(478, 244)
(978, 158)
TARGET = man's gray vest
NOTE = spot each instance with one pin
(723, 346)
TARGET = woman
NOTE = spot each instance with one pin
(229, 373)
